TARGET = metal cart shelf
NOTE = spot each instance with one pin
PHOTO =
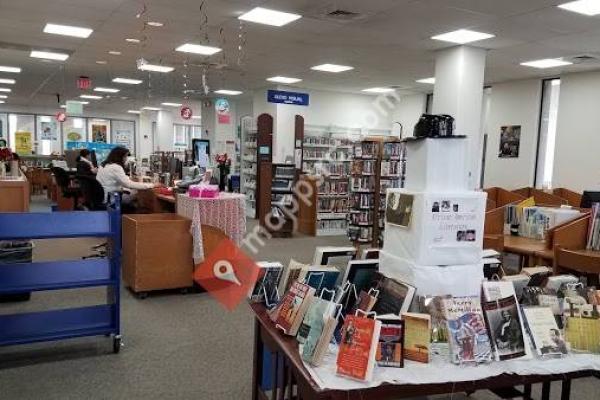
(60, 324)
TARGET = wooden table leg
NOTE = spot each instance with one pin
(274, 375)
(546, 390)
(527, 391)
(258, 361)
(283, 379)
(565, 393)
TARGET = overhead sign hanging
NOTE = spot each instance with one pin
(74, 107)
(284, 97)
(61, 116)
(186, 113)
(223, 111)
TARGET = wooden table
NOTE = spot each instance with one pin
(14, 194)
(583, 261)
(290, 377)
(151, 202)
(531, 250)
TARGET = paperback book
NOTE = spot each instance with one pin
(505, 328)
(293, 306)
(356, 355)
(314, 319)
(390, 350)
(395, 297)
(265, 289)
(417, 336)
(543, 330)
(469, 340)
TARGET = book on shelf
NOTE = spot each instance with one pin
(433, 305)
(291, 309)
(358, 346)
(468, 336)
(593, 242)
(265, 288)
(543, 331)
(320, 277)
(390, 349)
(314, 320)
(417, 336)
(318, 339)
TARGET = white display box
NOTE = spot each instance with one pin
(455, 280)
(446, 228)
(437, 165)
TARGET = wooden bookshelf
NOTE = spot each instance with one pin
(264, 159)
(541, 198)
(248, 164)
(572, 198)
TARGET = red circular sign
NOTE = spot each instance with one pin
(186, 113)
(61, 116)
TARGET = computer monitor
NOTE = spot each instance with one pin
(201, 152)
(588, 198)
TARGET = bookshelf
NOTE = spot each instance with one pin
(326, 165)
(282, 198)
(378, 164)
(248, 167)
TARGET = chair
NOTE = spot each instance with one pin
(92, 193)
(64, 183)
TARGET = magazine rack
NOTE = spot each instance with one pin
(57, 275)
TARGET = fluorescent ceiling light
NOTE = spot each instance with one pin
(3, 96)
(546, 63)
(14, 70)
(155, 23)
(48, 55)
(378, 90)
(134, 111)
(127, 81)
(228, 92)
(269, 17)
(132, 40)
(463, 36)
(67, 30)
(106, 90)
(283, 79)
(430, 81)
(114, 53)
(2, 102)
(585, 7)
(5, 90)
(90, 96)
(196, 117)
(198, 49)
(155, 68)
(151, 108)
(171, 104)
(101, 62)
(63, 106)
(331, 68)
(7, 81)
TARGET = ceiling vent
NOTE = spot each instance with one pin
(342, 16)
(585, 59)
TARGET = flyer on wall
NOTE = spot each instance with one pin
(99, 133)
(399, 209)
(48, 131)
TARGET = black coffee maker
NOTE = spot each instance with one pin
(432, 126)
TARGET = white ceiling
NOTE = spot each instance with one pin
(389, 45)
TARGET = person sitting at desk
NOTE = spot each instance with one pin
(84, 165)
(113, 178)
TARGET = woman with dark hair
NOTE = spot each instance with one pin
(113, 178)
(84, 164)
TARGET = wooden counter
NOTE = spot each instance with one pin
(14, 194)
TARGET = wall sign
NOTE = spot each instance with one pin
(223, 111)
(23, 144)
(283, 97)
(186, 113)
(510, 141)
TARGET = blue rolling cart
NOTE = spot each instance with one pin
(68, 323)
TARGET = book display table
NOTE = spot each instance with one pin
(293, 377)
(226, 212)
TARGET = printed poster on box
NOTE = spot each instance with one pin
(453, 221)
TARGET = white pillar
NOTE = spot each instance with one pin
(458, 92)
(164, 129)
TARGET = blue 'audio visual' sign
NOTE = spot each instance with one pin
(283, 97)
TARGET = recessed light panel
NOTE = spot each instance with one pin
(90, 96)
(127, 81)
(155, 24)
(269, 17)
(198, 49)
(463, 36)
(585, 7)
(7, 81)
(430, 81)
(378, 90)
(155, 68)
(2, 102)
(5, 90)
(3, 96)
(101, 62)
(171, 104)
(151, 108)
(332, 68)
(546, 63)
(114, 53)
(228, 92)
(283, 79)
(67, 30)
(132, 40)
(106, 90)
(134, 111)
(48, 55)
(14, 70)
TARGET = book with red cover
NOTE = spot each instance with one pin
(293, 306)
(356, 356)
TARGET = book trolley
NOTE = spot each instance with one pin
(96, 320)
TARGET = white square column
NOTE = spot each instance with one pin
(458, 91)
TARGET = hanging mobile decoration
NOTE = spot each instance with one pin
(186, 78)
(241, 43)
(205, 87)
